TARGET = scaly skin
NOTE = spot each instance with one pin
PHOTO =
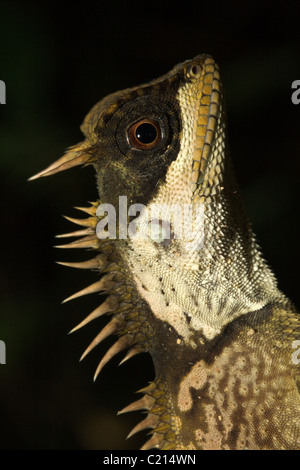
(206, 307)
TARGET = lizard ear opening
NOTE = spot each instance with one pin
(80, 154)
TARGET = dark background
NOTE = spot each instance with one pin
(58, 60)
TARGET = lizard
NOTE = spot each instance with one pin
(204, 302)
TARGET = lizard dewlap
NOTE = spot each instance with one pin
(183, 276)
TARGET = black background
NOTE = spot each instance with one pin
(58, 60)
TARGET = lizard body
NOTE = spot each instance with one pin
(205, 304)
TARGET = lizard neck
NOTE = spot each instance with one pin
(222, 276)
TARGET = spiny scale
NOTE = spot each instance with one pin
(122, 343)
(88, 222)
(150, 421)
(144, 403)
(89, 210)
(155, 441)
(114, 303)
(158, 429)
(132, 352)
(91, 241)
(104, 285)
(94, 263)
(112, 327)
(76, 155)
(77, 233)
(109, 305)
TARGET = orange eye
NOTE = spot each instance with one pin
(145, 134)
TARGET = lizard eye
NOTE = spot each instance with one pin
(145, 134)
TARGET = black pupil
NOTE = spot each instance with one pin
(146, 133)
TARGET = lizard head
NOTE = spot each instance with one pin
(189, 260)
(133, 136)
(147, 135)
(161, 148)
